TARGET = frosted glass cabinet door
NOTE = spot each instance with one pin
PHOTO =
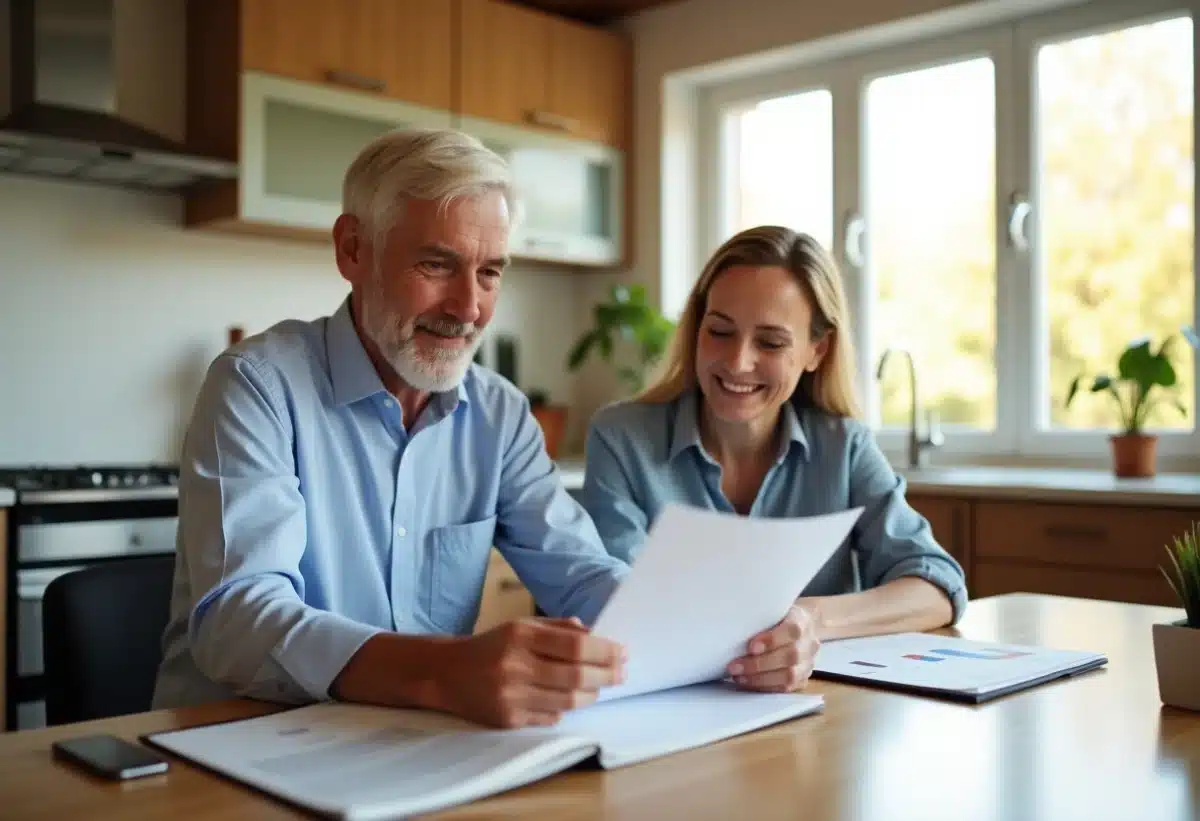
(569, 192)
(298, 139)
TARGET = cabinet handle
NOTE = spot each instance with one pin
(548, 119)
(1081, 533)
(353, 80)
(546, 245)
(509, 585)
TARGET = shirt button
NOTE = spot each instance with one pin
(387, 403)
(401, 532)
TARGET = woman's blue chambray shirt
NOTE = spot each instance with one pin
(642, 456)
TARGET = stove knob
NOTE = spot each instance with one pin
(97, 479)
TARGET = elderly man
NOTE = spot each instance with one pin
(343, 480)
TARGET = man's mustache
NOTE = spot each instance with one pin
(446, 327)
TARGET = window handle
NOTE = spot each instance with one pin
(855, 234)
(1019, 210)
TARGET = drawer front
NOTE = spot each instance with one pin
(1095, 536)
(1139, 588)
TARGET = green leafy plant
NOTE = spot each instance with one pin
(1184, 575)
(626, 317)
(1140, 371)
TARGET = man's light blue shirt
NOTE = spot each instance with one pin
(310, 519)
(642, 456)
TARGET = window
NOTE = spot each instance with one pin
(930, 192)
(1011, 206)
(1115, 171)
(784, 159)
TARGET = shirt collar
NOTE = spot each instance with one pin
(686, 430)
(351, 371)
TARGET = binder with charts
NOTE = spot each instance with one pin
(948, 667)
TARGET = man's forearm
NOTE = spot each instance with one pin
(396, 670)
(901, 605)
(259, 639)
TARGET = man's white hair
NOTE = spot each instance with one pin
(425, 164)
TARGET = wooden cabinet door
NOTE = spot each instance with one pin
(950, 519)
(291, 38)
(394, 48)
(503, 61)
(402, 47)
(589, 92)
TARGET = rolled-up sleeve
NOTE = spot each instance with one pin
(608, 498)
(546, 536)
(894, 540)
(243, 533)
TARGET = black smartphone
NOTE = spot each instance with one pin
(109, 756)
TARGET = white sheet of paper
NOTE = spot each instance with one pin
(943, 662)
(706, 582)
(630, 730)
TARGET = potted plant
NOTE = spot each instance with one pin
(1177, 644)
(551, 418)
(626, 317)
(1142, 376)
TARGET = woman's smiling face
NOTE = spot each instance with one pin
(755, 342)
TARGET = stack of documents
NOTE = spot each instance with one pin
(705, 583)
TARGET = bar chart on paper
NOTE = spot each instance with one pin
(940, 665)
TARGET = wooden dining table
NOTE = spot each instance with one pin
(1096, 746)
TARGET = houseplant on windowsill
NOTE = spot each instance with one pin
(625, 319)
(1142, 377)
(1177, 644)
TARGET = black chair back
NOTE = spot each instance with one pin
(102, 630)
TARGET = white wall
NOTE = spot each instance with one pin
(110, 313)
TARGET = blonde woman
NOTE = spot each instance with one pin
(755, 414)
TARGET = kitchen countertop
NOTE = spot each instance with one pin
(1055, 485)
(1027, 484)
(1032, 484)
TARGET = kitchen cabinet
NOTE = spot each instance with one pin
(292, 91)
(525, 67)
(1070, 548)
(393, 48)
(504, 597)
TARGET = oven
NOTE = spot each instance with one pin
(65, 519)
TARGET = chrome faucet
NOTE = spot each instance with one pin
(918, 445)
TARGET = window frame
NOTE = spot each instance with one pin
(1020, 336)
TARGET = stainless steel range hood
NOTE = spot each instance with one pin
(96, 93)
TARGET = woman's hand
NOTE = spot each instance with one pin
(781, 659)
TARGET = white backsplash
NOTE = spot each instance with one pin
(110, 312)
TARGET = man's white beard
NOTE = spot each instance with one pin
(434, 371)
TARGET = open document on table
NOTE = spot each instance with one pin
(705, 583)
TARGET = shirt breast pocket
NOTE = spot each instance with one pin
(458, 562)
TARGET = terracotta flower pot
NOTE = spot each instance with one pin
(1134, 455)
(1177, 660)
(553, 421)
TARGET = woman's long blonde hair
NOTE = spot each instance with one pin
(831, 387)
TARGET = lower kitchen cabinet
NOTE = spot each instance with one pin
(1084, 549)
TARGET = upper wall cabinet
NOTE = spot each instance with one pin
(532, 69)
(395, 48)
(293, 89)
